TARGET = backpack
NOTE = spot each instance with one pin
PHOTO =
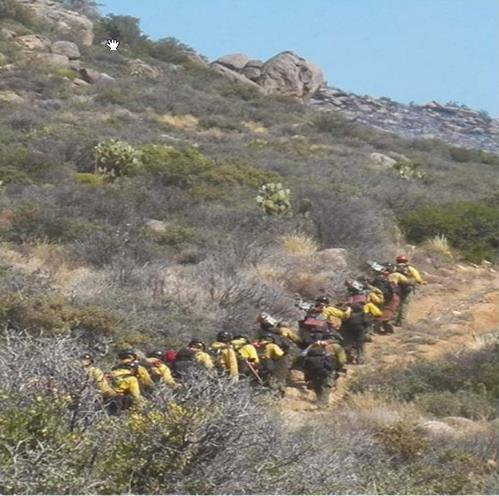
(169, 356)
(355, 326)
(312, 334)
(386, 288)
(318, 364)
(184, 363)
(357, 298)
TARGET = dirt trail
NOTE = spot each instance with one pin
(458, 309)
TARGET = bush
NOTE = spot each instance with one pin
(465, 155)
(115, 158)
(12, 175)
(11, 9)
(460, 384)
(88, 179)
(172, 166)
(169, 50)
(41, 223)
(456, 404)
(403, 440)
(173, 234)
(332, 123)
(123, 28)
(239, 175)
(470, 226)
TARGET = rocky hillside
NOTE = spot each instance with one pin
(458, 125)
(290, 75)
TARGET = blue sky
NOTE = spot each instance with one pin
(408, 50)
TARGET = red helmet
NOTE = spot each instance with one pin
(402, 259)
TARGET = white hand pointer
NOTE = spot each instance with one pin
(112, 44)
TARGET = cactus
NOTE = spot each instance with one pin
(274, 199)
(115, 158)
(409, 170)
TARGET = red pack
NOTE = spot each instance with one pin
(169, 356)
(357, 298)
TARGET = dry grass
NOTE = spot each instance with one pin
(438, 245)
(298, 244)
(373, 411)
(268, 273)
(254, 127)
(178, 121)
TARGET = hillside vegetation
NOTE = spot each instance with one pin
(129, 217)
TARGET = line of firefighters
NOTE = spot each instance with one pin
(328, 338)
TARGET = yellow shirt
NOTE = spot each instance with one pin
(287, 333)
(126, 383)
(99, 380)
(161, 371)
(226, 358)
(372, 309)
(330, 312)
(398, 278)
(376, 297)
(414, 274)
(204, 359)
(271, 351)
(246, 350)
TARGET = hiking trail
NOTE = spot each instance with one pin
(459, 308)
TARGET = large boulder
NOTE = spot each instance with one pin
(234, 61)
(290, 75)
(53, 60)
(33, 42)
(253, 70)
(92, 76)
(436, 429)
(193, 57)
(233, 75)
(139, 68)
(67, 48)
(381, 161)
(336, 258)
(64, 21)
(285, 74)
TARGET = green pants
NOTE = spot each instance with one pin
(402, 309)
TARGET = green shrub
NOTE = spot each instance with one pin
(12, 175)
(11, 9)
(64, 73)
(470, 226)
(169, 50)
(48, 314)
(36, 223)
(123, 28)
(469, 155)
(88, 179)
(402, 439)
(332, 123)
(173, 235)
(113, 96)
(115, 158)
(173, 166)
(458, 404)
(239, 175)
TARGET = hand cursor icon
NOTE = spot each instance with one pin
(112, 44)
